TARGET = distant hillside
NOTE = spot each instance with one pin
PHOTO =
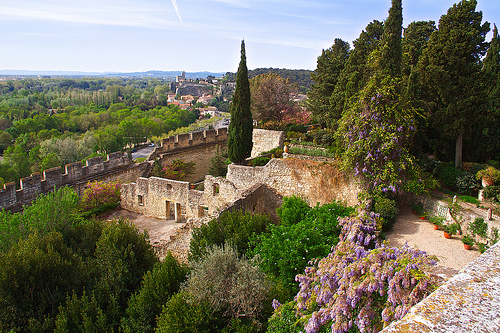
(302, 77)
(152, 73)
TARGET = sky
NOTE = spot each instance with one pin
(191, 35)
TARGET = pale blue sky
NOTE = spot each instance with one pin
(190, 35)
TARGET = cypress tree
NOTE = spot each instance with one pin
(391, 52)
(331, 62)
(450, 67)
(239, 141)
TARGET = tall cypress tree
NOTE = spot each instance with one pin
(239, 141)
(491, 67)
(450, 67)
(331, 62)
(391, 52)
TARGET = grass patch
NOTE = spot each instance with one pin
(311, 152)
(469, 199)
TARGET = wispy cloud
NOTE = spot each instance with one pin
(174, 3)
(88, 13)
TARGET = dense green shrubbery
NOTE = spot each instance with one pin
(234, 227)
(224, 293)
(157, 287)
(455, 179)
(260, 161)
(492, 193)
(299, 240)
(387, 209)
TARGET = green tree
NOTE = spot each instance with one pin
(357, 70)
(270, 98)
(414, 41)
(450, 68)
(234, 228)
(331, 62)
(157, 287)
(239, 141)
(390, 45)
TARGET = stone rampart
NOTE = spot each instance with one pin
(265, 140)
(75, 173)
(468, 302)
(187, 141)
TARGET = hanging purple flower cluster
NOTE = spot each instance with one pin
(362, 283)
(377, 131)
(99, 194)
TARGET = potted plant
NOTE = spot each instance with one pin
(417, 208)
(488, 176)
(423, 216)
(468, 242)
(286, 148)
(437, 221)
(450, 229)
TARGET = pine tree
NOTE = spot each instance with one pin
(331, 62)
(239, 142)
(450, 68)
(391, 52)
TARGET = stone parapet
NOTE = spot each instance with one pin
(468, 302)
(36, 183)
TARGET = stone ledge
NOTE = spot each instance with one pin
(469, 302)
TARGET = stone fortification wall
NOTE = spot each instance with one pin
(180, 142)
(265, 140)
(468, 302)
(194, 89)
(315, 182)
(75, 174)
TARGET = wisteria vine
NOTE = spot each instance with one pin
(362, 283)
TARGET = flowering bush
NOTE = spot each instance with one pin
(99, 196)
(362, 283)
(376, 132)
(177, 170)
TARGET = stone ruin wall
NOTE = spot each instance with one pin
(265, 140)
(313, 181)
(118, 166)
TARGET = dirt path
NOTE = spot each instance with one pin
(159, 230)
(421, 235)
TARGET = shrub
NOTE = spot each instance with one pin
(491, 192)
(490, 173)
(466, 183)
(311, 152)
(292, 210)
(387, 209)
(156, 289)
(312, 237)
(235, 227)
(100, 196)
(284, 319)
(362, 285)
(260, 161)
(177, 170)
(478, 227)
(228, 283)
(448, 174)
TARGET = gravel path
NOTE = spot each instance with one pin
(421, 235)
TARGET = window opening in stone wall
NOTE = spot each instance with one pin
(140, 200)
(215, 189)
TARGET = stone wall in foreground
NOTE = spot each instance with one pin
(468, 302)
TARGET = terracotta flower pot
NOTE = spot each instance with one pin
(487, 182)
(435, 226)
(286, 149)
(467, 247)
(422, 217)
(447, 235)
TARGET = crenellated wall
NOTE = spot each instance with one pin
(180, 142)
(75, 174)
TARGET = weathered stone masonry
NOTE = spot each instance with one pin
(316, 182)
(118, 166)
